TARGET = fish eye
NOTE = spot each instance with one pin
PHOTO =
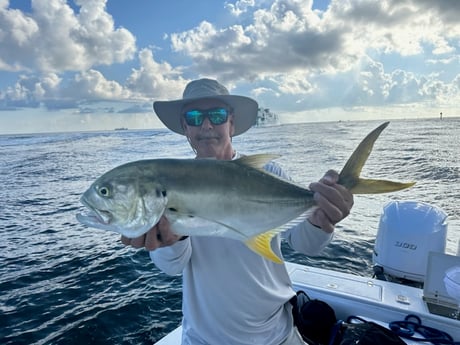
(104, 191)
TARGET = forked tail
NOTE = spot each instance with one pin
(349, 176)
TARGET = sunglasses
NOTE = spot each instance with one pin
(216, 116)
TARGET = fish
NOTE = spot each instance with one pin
(235, 199)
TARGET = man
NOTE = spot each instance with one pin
(232, 295)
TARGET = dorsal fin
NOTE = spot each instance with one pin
(257, 161)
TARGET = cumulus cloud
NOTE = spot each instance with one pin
(371, 85)
(300, 58)
(92, 85)
(88, 85)
(157, 80)
(285, 37)
(53, 38)
(240, 7)
(283, 52)
(152, 80)
(403, 27)
(30, 91)
(289, 35)
(447, 10)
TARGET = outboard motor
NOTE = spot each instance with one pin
(408, 231)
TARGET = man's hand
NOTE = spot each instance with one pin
(334, 202)
(160, 235)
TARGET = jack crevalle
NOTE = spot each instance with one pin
(205, 197)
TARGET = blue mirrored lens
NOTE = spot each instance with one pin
(194, 118)
(216, 116)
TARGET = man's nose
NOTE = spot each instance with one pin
(206, 123)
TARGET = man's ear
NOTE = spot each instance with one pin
(232, 126)
(183, 125)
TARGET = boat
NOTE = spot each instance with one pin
(414, 277)
(265, 117)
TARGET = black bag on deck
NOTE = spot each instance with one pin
(359, 331)
(314, 318)
(318, 325)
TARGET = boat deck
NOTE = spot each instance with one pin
(372, 299)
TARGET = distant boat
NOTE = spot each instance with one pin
(266, 118)
(121, 129)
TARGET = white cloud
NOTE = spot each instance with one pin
(31, 90)
(406, 27)
(92, 85)
(447, 10)
(284, 37)
(51, 91)
(290, 36)
(53, 38)
(356, 53)
(371, 85)
(152, 80)
(240, 7)
(295, 84)
(309, 59)
(155, 80)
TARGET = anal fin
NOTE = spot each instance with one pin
(261, 244)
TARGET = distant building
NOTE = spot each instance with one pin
(266, 118)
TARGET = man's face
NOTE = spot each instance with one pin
(210, 140)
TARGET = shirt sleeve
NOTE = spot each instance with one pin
(172, 259)
(304, 237)
(307, 239)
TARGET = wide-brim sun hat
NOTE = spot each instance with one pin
(244, 108)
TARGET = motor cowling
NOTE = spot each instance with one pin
(408, 231)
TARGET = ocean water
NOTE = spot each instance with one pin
(62, 283)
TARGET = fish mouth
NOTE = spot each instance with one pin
(94, 217)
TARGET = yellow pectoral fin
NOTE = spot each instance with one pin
(261, 244)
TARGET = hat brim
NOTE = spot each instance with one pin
(244, 111)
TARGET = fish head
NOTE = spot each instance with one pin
(123, 200)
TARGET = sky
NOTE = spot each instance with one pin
(99, 64)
